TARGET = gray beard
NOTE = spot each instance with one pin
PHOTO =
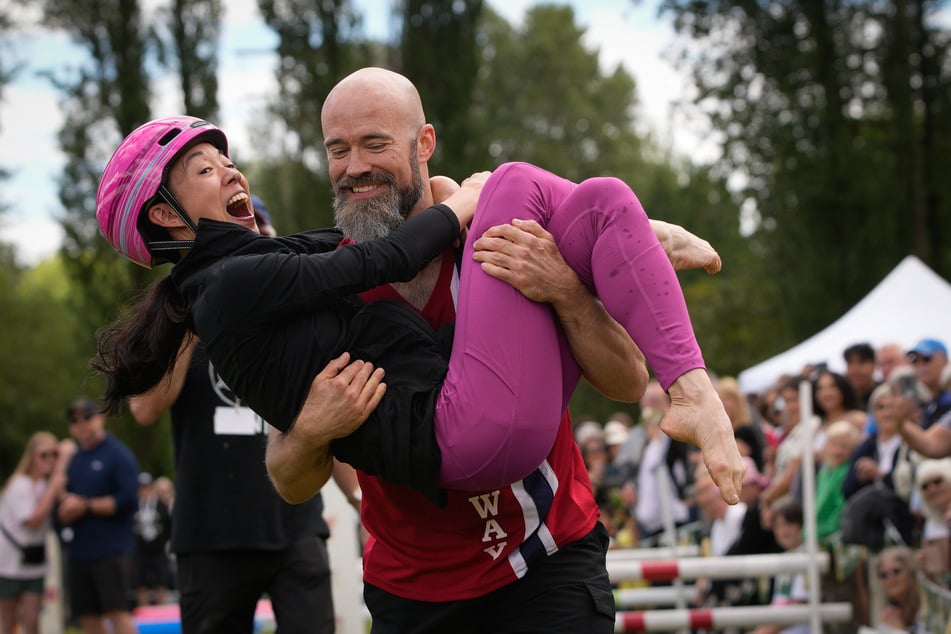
(367, 219)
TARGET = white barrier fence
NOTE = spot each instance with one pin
(628, 566)
(652, 596)
(669, 620)
(653, 553)
(733, 567)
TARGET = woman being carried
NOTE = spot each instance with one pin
(273, 312)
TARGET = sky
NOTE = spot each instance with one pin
(622, 31)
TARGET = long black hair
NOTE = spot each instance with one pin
(138, 349)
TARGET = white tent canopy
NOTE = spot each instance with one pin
(911, 303)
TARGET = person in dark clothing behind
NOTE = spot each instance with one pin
(153, 526)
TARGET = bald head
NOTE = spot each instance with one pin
(387, 91)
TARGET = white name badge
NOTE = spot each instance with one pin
(237, 421)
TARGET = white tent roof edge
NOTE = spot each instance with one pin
(910, 303)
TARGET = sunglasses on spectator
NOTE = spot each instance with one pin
(921, 358)
(48, 454)
(80, 418)
(894, 572)
(927, 484)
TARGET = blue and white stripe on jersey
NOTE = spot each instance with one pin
(535, 495)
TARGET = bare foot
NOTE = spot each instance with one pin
(685, 250)
(696, 416)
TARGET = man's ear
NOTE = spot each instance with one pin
(162, 215)
(426, 143)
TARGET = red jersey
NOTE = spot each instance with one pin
(480, 541)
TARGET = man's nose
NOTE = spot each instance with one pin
(357, 164)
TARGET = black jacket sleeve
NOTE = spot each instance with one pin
(290, 283)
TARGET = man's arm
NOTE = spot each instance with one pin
(345, 477)
(341, 397)
(146, 408)
(934, 442)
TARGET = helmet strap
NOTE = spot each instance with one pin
(169, 198)
(168, 249)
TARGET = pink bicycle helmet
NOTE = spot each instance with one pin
(135, 176)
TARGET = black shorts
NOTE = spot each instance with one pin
(220, 590)
(99, 587)
(152, 570)
(567, 593)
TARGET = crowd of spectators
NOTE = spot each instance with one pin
(881, 445)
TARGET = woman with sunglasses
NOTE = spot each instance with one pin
(896, 575)
(25, 516)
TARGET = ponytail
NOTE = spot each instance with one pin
(137, 350)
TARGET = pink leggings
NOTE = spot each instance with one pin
(511, 373)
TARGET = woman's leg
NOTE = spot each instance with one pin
(30, 605)
(502, 400)
(8, 615)
(511, 373)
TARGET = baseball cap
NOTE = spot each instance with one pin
(145, 479)
(85, 407)
(927, 347)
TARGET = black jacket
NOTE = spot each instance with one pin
(272, 312)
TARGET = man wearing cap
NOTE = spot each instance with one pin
(96, 512)
(932, 436)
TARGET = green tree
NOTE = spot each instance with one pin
(557, 108)
(832, 113)
(42, 343)
(319, 43)
(105, 95)
(433, 32)
(194, 26)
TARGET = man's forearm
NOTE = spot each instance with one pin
(297, 470)
(933, 443)
(607, 355)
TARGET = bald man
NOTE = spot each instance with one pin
(529, 556)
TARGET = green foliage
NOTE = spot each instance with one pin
(194, 26)
(558, 110)
(833, 113)
(432, 33)
(318, 44)
(43, 348)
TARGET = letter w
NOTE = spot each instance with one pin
(485, 504)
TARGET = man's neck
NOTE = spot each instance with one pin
(419, 289)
